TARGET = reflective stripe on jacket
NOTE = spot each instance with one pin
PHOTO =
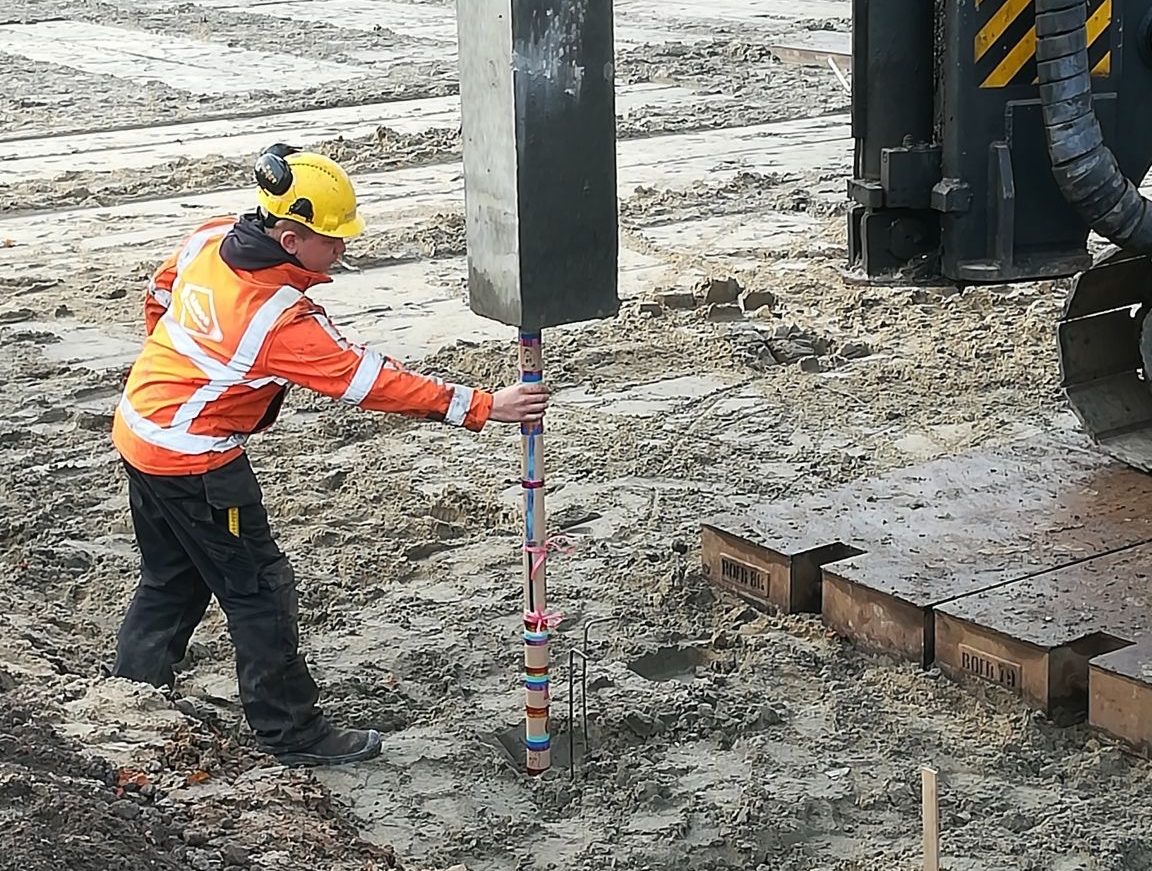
(222, 346)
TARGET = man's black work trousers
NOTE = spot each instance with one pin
(204, 535)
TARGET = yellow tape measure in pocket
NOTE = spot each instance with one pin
(234, 521)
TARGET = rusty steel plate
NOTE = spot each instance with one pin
(786, 582)
(1036, 636)
(1120, 695)
(936, 532)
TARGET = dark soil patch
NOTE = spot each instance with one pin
(59, 809)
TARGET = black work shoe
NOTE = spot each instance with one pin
(338, 747)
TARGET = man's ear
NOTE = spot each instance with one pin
(290, 241)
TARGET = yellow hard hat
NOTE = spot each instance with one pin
(310, 189)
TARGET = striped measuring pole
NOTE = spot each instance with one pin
(537, 621)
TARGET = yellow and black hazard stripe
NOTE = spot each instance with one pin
(1005, 50)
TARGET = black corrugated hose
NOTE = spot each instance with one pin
(1085, 169)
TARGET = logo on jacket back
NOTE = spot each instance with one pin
(198, 312)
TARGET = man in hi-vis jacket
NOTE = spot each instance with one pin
(230, 326)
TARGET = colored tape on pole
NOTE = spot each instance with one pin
(531, 372)
(1005, 46)
(537, 625)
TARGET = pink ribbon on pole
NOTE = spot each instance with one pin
(539, 552)
(539, 620)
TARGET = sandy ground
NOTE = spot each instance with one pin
(721, 738)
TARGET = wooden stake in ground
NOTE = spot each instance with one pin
(931, 808)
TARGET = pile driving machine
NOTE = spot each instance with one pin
(992, 137)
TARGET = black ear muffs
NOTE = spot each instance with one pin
(273, 174)
(272, 171)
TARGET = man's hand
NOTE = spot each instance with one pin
(520, 403)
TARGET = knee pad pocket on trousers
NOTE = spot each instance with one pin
(278, 575)
(236, 566)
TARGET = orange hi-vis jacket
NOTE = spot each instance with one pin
(223, 345)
